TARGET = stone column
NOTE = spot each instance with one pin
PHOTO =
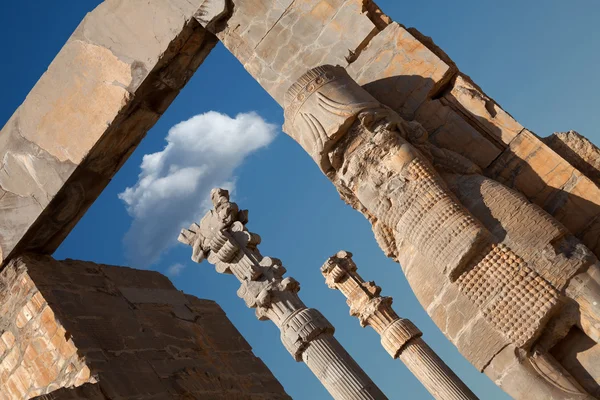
(222, 238)
(399, 336)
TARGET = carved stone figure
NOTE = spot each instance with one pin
(501, 278)
(222, 239)
(399, 336)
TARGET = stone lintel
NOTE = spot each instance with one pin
(105, 89)
(278, 41)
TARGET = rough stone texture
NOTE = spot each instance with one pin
(482, 112)
(549, 181)
(537, 377)
(499, 271)
(223, 239)
(37, 355)
(577, 150)
(88, 391)
(580, 356)
(405, 70)
(115, 76)
(127, 333)
(450, 130)
(278, 40)
(400, 337)
(109, 84)
(397, 67)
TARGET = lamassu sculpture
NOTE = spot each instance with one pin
(501, 278)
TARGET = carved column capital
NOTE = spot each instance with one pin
(399, 336)
(223, 239)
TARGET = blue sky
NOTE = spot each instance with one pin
(538, 59)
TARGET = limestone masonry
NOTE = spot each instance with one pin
(503, 279)
(117, 333)
(496, 229)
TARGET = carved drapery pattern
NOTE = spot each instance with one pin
(386, 168)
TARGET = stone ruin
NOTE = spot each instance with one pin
(495, 228)
(223, 239)
(399, 336)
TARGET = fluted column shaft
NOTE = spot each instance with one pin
(400, 337)
(222, 239)
(432, 372)
(338, 371)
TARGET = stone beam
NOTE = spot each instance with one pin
(105, 89)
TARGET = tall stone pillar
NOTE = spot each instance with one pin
(222, 238)
(399, 336)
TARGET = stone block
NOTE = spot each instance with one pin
(37, 347)
(578, 151)
(450, 130)
(456, 316)
(548, 180)
(126, 336)
(109, 84)
(294, 37)
(538, 376)
(153, 296)
(400, 71)
(482, 112)
(479, 342)
(579, 354)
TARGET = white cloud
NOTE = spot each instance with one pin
(174, 184)
(175, 269)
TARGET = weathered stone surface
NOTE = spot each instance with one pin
(277, 41)
(479, 110)
(88, 391)
(114, 78)
(450, 130)
(400, 337)
(37, 352)
(549, 181)
(579, 355)
(400, 71)
(457, 317)
(578, 151)
(537, 377)
(223, 239)
(109, 84)
(492, 283)
(67, 323)
(540, 240)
